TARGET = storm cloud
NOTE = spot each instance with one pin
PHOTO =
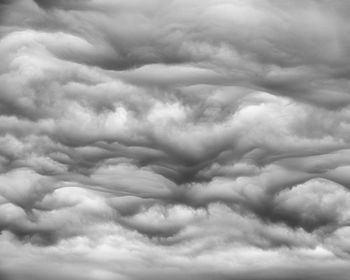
(184, 139)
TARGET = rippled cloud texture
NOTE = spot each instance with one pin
(183, 139)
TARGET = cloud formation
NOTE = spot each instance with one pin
(201, 139)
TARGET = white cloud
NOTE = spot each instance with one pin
(174, 139)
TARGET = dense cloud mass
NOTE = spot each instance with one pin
(174, 139)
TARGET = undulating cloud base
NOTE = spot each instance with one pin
(184, 139)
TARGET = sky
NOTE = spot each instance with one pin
(174, 139)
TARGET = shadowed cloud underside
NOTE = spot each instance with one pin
(184, 139)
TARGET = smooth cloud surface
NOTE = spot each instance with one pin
(201, 139)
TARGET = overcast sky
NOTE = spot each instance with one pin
(174, 139)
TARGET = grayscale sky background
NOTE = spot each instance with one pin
(183, 139)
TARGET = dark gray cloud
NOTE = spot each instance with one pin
(174, 139)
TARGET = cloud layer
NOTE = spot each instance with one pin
(201, 139)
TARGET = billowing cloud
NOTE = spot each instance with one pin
(200, 139)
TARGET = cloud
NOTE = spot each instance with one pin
(174, 139)
(315, 203)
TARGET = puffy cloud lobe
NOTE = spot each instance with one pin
(315, 203)
(174, 139)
